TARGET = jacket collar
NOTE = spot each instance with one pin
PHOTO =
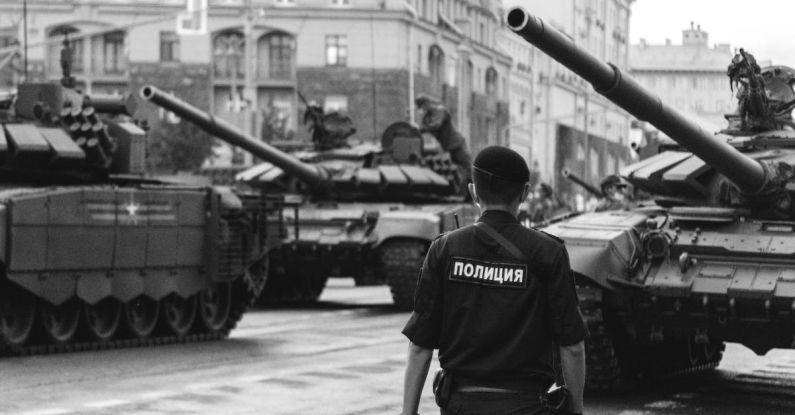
(497, 216)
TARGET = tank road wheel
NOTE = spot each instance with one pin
(215, 302)
(694, 351)
(140, 316)
(401, 261)
(179, 313)
(17, 317)
(713, 351)
(60, 322)
(102, 319)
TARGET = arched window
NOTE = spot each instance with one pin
(229, 54)
(436, 67)
(55, 39)
(275, 56)
(469, 83)
(491, 82)
(111, 59)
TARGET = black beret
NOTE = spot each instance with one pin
(502, 163)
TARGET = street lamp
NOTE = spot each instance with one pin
(410, 51)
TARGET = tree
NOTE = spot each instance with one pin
(175, 147)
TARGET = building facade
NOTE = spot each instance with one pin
(361, 56)
(571, 126)
(690, 76)
(519, 131)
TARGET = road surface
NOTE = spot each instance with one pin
(344, 355)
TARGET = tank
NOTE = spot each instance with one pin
(709, 255)
(366, 211)
(97, 254)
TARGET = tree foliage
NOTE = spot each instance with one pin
(178, 147)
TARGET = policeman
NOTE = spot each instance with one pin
(495, 298)
(436, 120)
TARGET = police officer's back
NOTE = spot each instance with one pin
(494, 298)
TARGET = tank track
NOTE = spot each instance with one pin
(245, 291)
(401, 261)
(616, 362)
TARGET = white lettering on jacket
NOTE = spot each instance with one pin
(497, 274)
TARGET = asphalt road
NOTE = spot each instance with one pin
(344, 355)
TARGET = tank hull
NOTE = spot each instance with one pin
(357, 240)
(114, 265)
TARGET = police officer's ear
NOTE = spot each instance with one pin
(473, 193)
(528, 188)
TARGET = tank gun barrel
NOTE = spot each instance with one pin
(580, 181)
(310, 174)
(745, 172)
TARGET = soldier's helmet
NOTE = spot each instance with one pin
(613, 183)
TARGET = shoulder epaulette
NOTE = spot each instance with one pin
(440, 235)
(553, 237)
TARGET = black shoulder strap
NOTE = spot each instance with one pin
(508, 245)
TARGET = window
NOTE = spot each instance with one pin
(285, 2)
(699, 105)
(482, 34)
(418, 64)
(491, 82)
(280, 56)
(7, 39)
(169, 46)
(436, 67)
(335, 103)
(336, 50)
(491, 131)
(228, 51)
(114, 62)
(340, 3)
(594, 161)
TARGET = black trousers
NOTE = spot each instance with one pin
(493, 403)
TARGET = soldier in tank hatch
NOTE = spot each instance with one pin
(496, 298)
(617, 194)
(436, 120)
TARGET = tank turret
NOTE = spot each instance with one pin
(755, 179)
(354, 171)
(60, 135)
(310, 174)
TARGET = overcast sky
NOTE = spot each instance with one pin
(764, 27)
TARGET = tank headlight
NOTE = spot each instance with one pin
(657, 245)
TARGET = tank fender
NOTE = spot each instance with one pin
(603, 257)
(406, 224)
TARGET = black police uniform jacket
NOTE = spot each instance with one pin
(494, 317)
